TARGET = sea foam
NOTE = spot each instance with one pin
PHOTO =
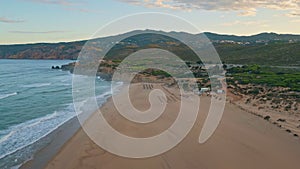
(3, 96)
(35, 85)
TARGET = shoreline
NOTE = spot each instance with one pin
(242, 140)
(60, 137)
(64, 133)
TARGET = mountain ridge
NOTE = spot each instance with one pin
(136, 31)
(260, 48)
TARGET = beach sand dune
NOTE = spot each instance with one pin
(242, 141)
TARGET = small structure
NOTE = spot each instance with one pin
(203, 90)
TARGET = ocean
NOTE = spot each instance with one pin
(34, 101)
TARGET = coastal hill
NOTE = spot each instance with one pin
(259, 38)
(264, 49)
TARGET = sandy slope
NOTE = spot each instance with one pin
(241, 141)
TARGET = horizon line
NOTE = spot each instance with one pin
(87, 39)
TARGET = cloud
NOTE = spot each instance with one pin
(7, 20)
(293, 14)
(39, 32)
(245, 23)
(249, 12)
(244, 7)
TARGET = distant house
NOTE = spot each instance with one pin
(202, 90)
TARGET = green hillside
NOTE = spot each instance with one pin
(264, 49)
(283, 54)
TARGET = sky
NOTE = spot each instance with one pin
(32, 21)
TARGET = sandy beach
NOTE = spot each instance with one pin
(242, 140)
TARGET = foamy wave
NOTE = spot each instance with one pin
(20, 139)
(37, 85)
(27, 133)
(6, 136)
(2, 96)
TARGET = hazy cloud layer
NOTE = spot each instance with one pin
(244, 7)
(7, 20)
(246, 23)
(294, 14)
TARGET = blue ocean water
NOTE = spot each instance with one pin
(34, 100)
